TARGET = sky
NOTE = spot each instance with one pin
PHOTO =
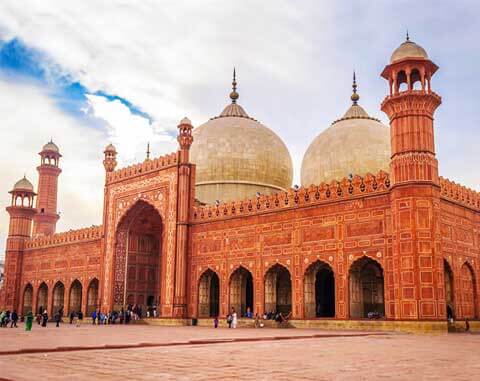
(87, 73)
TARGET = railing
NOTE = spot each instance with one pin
(142, 168)
(336, 190)
(85, 234)
(459, 193)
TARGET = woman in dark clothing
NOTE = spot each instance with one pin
(14, 318)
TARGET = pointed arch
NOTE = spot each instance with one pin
(319, 290)
(92, 296)
(468, 295)
(366, 288)
(278, 289)
(42, 297)
(208, 294)
(449, 289)
(137, 256)
(240, 291)
(58, 297)
(27, 299)
(75, 299)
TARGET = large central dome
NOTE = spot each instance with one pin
(236, 157)
(355, 144)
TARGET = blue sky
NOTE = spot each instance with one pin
(89, 73)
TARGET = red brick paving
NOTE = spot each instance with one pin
(383, 357)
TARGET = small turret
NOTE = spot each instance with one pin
(110, 161)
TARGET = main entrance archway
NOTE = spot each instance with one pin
(137, 256)
(208, 294)
(366, 289)
(241, 291)
(278, 290)
(319, 291)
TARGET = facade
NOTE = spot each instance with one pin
(400, 245)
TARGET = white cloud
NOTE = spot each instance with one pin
(128, 132)
(29, 118)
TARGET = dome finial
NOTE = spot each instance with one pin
(148, 151)
(408, 37)
(355, 97)
(234, 95)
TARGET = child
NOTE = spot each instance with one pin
(215, 322)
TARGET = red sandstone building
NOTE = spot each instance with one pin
(401, 242)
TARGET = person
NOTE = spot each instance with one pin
(14, 318)
(75, 319)
(2, 318)
(249, 313)
(467, 325)
(28, 321)
(256, 323)
(94, 317)
(58, 318)
(44, 318)
(154, 310)
(215, 321)
(80, 316)
(72, 316)
(229, 320)
(234, 318)
(122, 315)
(39, 318)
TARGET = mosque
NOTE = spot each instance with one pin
(373, 230)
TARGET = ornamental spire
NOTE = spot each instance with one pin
(355, 97)
(148, 151)
(408, 37)
(234, 95)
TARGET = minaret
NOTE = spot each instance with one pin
(21, 213)
(417, 278)
(45, 220)
(185, 181)
(411, 114)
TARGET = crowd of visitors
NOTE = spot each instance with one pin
(232, 318)
(124, 316)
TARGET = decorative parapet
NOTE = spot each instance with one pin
(459, 193)
(148, 165)
(85, 234)
(293, 198)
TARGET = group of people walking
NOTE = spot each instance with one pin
(7, 317)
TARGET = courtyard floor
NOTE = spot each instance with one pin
(139, 352)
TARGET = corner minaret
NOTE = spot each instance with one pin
(21, 213)
(410, 107)
(45, 221)
(416, 277)
(185, 199)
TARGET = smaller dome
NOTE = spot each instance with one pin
(408, 49)
(110, 148)
(50, 146)
(23, 184)
(186, 121)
